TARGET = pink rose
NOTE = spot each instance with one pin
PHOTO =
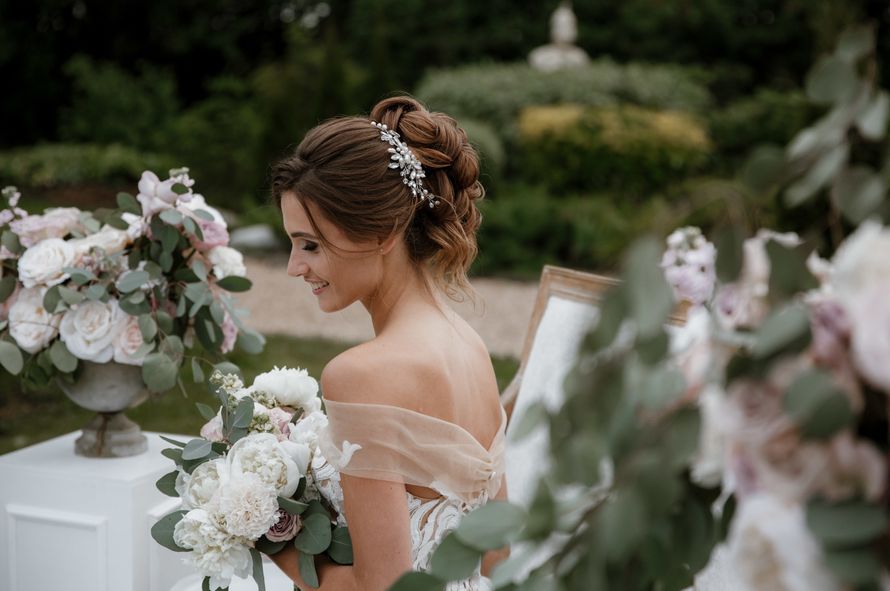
(128, 341)
(54, 223)
(286, 529)
(214, 235)
(230, 334)
(213, 429)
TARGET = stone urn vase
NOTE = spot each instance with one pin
(108, 389)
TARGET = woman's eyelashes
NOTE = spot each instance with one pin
(310, 247)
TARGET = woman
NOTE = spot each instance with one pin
(381, 210)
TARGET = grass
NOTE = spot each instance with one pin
(30, 417)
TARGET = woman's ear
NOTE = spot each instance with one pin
(386, 245)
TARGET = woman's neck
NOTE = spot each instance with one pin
(406, 293)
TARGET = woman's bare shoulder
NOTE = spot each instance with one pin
(374, 372)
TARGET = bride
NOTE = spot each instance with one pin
(381, 210)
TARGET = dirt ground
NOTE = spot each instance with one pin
(279, 304)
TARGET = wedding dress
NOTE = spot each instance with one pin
(390, 443)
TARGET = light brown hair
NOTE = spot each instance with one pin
(342, 168)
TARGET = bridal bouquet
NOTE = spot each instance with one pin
(248, 483)
(136, 285)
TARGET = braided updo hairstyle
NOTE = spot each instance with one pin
(341, 167)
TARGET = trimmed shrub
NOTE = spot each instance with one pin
(496, 93)
(575, 148)
(56, 165)
(492, 156)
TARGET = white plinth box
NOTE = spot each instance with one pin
(83, 524)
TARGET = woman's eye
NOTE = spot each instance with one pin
(310, 247)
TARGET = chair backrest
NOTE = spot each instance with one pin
(566, 308)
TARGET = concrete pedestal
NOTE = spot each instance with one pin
(83, 524)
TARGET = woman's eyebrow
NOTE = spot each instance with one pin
(302, 235)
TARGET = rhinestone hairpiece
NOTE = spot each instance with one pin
(403, 159)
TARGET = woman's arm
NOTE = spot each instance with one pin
(377, 513)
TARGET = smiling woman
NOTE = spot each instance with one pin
(381, 211)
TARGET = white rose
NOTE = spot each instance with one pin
(306, 430)
(226, 261)
(290, 387)
(198, 488)
(128, 341)
(43, 263)
(109, 239)
(262, 455)
(30, 324)
(249, 504)
(89, 330)
(771, 548)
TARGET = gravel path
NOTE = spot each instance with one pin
(279, 304)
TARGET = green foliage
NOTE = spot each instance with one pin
(497, 93)
(54, 165)
(112, 106)
(490, 148)
(576, 149)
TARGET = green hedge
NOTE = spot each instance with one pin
(496, 93)
(630, 149)
(57, 165)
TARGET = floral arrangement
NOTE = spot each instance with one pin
(249, 483)
(135, 285)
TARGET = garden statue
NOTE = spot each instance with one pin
(562, 51)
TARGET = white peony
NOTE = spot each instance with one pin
(30, 324)
(306, 430)
(197, 489)
(214, 552)
(43, 263)
(771, 548)
(226, 262)
(249, 504)
(290, 387)
(89, 330)
(860, 260)
(262, 455)
(300, 453)
(128, 341)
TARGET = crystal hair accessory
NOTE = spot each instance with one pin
(403, 159)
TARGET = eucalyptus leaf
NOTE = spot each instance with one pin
(10, 240)
(872, 120)
(70, 296)
(729, 242)
(787, 327)
(97, 292)
(291, 506)
(764, 168)
(622, 523)
(532, 417)
(855, 566)
(307, 569)
(491, 526)
(251, 342)
(204, 215)
(234, 283)
(831, 80)
(11, 358)
(258, 576)
(859, 193)
(51, 299)
(159, 372)
(197, 373)
(818, 176)
(856, 43)
(197, 449)
(340, 550)
(166, 261)
(148, 327)
(162, 531)
(417, 581)
(132, 281)
(267, 547)
(167, 484)
(200, 270)
(453, 559)
(79, 276)
(817, 405)
(165, 321)
(173, 441)
(789, 273)
(62, 357)
(171, 216)
(117, 222)
(206, 412)
(7, 286)
(243, 413)
(315, 536)
(128, 203)
(845, 524)
(651, 298)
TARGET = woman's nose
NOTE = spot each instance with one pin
(296, 267)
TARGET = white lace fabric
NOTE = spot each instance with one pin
(405, 446)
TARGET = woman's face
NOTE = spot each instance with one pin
(337, 276)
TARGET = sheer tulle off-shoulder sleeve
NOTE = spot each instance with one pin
(390, 443)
